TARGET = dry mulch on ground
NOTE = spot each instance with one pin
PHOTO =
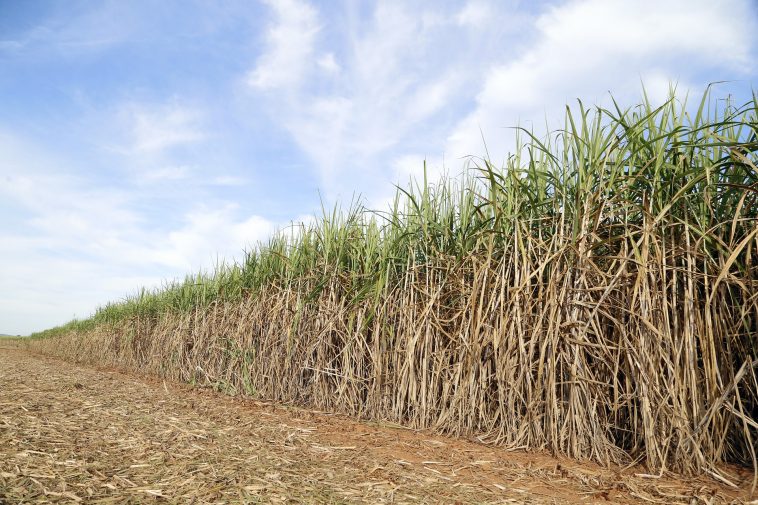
(70, 434)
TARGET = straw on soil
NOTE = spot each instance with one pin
(75, 434)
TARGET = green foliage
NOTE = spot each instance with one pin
(689, 173)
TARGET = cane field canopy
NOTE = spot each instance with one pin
(595, 296)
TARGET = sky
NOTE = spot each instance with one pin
(141, 141)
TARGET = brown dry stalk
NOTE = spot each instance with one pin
(608, 363)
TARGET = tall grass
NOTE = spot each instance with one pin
(597, 297)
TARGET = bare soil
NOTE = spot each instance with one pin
(71, 433)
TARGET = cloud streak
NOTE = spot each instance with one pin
(586, 48)
(289, 46)
(395, 72)
(76, 245)
(424, 81)
(158, 128)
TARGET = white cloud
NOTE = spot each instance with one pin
(167, 173)
(289, 46)
(399, 69)
(154, 141)
(229, 180)
(71, 244)
(585, 48)
(216, 232)
(474, 13)
(320, 126)
(430, 98)
(328, 63)
(158, 127)
(586, 30)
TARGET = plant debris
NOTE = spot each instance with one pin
(125, 438)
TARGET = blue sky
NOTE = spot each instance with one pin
(143, 140)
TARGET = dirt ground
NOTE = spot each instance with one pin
(71, 433)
